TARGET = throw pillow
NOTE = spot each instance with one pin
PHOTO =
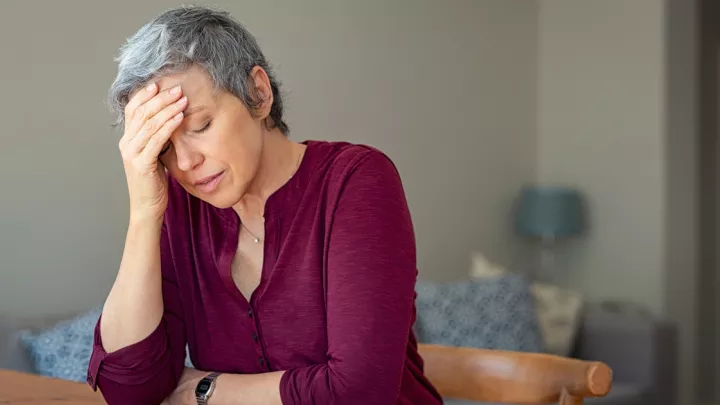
(497, 313)
(63, 351)
(559, 310)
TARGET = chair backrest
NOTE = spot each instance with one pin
(513, 377)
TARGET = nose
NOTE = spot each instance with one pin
(186, 156)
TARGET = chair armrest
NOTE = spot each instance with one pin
(512, 377)
(641, 349)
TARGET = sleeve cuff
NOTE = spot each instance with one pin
(133, 364)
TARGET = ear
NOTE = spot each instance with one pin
(262, 92)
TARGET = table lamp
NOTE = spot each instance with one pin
(546, 214)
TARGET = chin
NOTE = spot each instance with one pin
(221, 203)
(223, 200)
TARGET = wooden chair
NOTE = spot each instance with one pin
(512, 377)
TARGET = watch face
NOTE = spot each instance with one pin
(203, 387)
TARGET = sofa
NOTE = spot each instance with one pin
(641, 350)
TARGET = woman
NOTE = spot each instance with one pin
(287, 268)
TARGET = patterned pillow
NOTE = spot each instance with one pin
(559, 310)
(497, 313)
(63, 351)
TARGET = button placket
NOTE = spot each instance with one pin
(256, 339)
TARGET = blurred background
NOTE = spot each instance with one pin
(574, 142)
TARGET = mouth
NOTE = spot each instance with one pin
(209, 183)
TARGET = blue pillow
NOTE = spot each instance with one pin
(491, 313)
(63, 351)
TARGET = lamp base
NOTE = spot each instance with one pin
(547, 259)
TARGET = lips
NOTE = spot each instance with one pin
(206, 180)
(210, 183)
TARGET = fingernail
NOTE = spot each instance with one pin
(175, 90)
(182, 100)
(178, 117)
(150, 87)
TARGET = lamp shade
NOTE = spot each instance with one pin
(550, 212)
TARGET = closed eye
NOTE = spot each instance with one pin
(205, 128)
(200, 131)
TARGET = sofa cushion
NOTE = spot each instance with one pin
(494, 313)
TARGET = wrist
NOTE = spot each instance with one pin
(205, 388)
(145, 222)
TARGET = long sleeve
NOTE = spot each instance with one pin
(146, 372)
(371, 274)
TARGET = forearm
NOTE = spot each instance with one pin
(139, 345)
(134, 306)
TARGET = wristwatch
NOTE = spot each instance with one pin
(205, 388)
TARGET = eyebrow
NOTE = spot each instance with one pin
(192, 110)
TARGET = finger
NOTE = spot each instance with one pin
(157, 142)
(153, 125)
(139, 98)
(151, 107)
(154, 105)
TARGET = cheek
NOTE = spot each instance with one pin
(241, 145)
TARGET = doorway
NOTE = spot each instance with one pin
(708, 302)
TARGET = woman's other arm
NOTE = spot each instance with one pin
(370, 294)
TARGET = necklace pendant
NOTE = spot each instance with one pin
(256, 240)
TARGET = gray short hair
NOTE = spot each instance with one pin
(186, 36)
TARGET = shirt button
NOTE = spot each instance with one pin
(89, 379)
(250, 314)
(261, 361)
(255, 337)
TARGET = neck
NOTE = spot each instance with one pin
(279, 159)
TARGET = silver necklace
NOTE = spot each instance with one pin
(255, 238)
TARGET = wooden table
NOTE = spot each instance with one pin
(28, 389)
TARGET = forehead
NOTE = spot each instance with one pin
(195, 84)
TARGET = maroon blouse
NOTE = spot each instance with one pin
(334, 308)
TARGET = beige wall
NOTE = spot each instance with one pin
(601, 108)
(447, 89)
